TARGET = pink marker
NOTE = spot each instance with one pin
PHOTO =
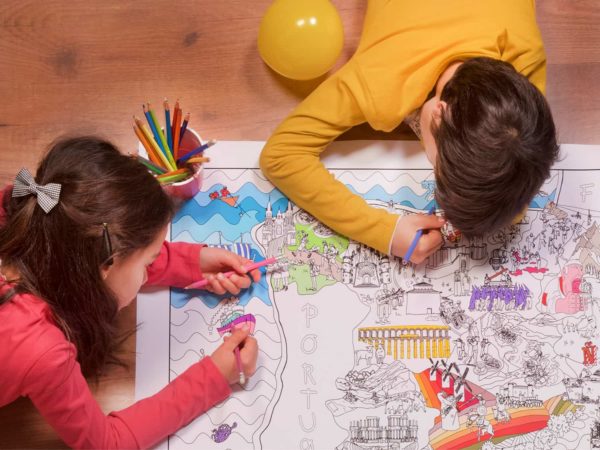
(248, 268)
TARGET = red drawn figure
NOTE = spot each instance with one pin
(214, 195)
(225, 192)
(569, 284)
(590, 354)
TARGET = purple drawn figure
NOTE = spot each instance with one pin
(221, 433)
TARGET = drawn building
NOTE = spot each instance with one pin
(368, 433)
(517, 396)
(409, 341)
(366, 274)
(384, 270)
(281, 227)
(589, 243)
(584, 389)
(476, 250)
(423, 299)
(595, 435)
(365, 268)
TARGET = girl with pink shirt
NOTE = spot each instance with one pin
(77, 241)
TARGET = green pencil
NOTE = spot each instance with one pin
(174, 178)
(151, 166)
(163, 141)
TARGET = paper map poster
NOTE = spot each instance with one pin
(490, 343)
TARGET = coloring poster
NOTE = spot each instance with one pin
(490, 343)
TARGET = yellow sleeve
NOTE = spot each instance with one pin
(291, 161)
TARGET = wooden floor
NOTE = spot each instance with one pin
(73, 67)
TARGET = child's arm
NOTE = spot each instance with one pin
(291, 160)
(180, 264)
(57, 388)
(177, 265)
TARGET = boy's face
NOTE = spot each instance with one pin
(126, 275)
(431, 112)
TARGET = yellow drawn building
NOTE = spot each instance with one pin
(409, 341)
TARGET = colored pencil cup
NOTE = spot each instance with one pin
(188, 188)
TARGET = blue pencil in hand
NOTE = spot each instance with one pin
(415, 241)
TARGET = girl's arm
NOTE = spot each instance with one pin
(178, 265)
(291, 160)
(59, 391)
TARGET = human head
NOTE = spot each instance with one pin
(493, 141)
(62, 256)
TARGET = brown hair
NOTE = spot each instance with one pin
(496, 144)
(58, 255)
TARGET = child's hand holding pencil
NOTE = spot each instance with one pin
(236, 357)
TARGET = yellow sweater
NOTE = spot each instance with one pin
(404, 48)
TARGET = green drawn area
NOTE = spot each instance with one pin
(301, 276)
(340, 242)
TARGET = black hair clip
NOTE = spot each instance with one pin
(107, 246)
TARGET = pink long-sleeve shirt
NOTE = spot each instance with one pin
(37, 361)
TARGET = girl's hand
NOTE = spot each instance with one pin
(224, 355)
(215, 261)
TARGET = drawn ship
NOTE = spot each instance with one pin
(237, 319)
(225, 196)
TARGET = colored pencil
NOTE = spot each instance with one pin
(238, 361)
(184, 127)
(152, 125)
(174, 172)
(168, 125)
(413, 244)
(248, 268)
(161, 136)
(173, 178)
(152, 167)
(176, 130)
(198, 160)
(154, 144)
(196, 151)
(149, 150)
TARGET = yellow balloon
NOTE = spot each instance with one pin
(301, 39)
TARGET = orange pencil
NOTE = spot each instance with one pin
(149, 150)
(198, 160)
(154, 144)
(176, 130)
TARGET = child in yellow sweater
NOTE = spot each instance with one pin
(469, 77)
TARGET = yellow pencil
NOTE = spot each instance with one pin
(149, 150)
(154, 144)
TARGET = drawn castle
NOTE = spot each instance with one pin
(365, 268)
(516, 396)
(278, 231)
(369, 433)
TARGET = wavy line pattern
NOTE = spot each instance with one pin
(185, 353)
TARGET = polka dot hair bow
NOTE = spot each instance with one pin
(47, 195)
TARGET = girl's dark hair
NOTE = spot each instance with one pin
(59, 255)
(496, 144)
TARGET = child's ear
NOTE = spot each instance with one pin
(104, 270)
(438, 110)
